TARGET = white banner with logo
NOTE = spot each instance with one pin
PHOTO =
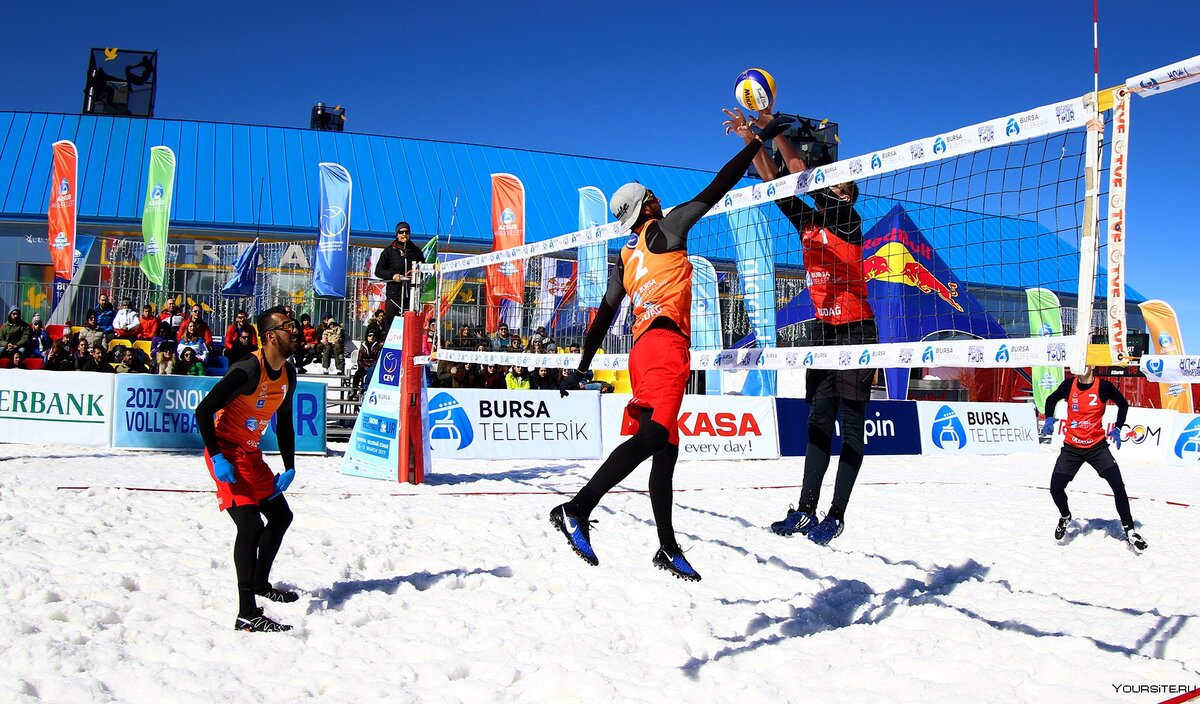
(977, 428)
(506, 424)
(1183, 446)
(710, 427)
(1147, 433)
(59, 408)
(1172, 368)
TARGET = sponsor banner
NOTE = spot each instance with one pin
(56, 408)
(1008, 353)
(158, 412)
(1118, 173)
(891, 428)
(333, 231)
(1161, 80)
(506, 424)
(1045, 319)
(1169, 368)
(1184, 445)
(977, 428)
(1048, 119)
(1147, 433)
(710, 427)
(1166, 339)
(60, 213)
(156, 212)
(592, 259)
(506, 279)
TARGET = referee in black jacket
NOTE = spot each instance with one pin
(395, 267)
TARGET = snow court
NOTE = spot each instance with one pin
(946, 584)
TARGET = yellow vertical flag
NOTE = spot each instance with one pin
(1164, 332)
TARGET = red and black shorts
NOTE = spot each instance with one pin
(255, 480)
(659, 365)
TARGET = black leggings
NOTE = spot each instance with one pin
(821, 416)
(1112, 475)
(651, 440)
(255, 547)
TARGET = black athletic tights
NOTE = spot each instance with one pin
(1112, 475)
(821, 416)
(651, 440)
(255, 547)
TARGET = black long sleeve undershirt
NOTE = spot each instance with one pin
(242, 380)
(1108, 392)
(668, 234)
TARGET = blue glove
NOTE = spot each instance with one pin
(223, 469)
(1048, 427)
(283, 481)
(1115, 436)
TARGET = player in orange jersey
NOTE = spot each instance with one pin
(655, 273)
(232, 419)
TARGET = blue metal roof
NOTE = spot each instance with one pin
(222, 168)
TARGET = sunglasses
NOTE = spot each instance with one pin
(649, 196)
(402, 232)
(290, 326)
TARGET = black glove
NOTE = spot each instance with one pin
(571, 381)
(777, 126)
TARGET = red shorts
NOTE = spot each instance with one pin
(659, 365)
(255, 480)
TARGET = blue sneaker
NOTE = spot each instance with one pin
(828, 529)
(797, 521)
(676, 564)
(576, 531)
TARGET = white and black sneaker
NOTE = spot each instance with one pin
(279, 595)
(1136, 542)
(259, 624)
(1061, 529)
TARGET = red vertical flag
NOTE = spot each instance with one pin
(61, 214)
(506, 281)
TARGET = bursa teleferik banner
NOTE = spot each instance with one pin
(509, 424)
(977, 428)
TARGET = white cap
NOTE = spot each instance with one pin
(626, 203)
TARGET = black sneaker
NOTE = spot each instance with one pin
(577, 532)
(1136, 542)
(675, 563)
(278, 595)
(259, 624)
(1061, 529)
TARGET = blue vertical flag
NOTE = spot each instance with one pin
(245, 273)
(756, 269)
(593, 258)
(706, 317)
(333, 236)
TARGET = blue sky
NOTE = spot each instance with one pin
(646, 81)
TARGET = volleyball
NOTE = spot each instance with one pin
(754, 89)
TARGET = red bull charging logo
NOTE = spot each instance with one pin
(895, 263)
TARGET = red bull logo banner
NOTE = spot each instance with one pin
(62, 210)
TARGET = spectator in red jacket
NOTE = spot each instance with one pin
(149, 323)
(239, 325)
(202, 328)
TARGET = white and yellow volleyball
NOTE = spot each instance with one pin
(754, 89)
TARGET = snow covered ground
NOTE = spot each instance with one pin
(947, 586)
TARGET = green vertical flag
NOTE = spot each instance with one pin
(429, 285)
(156, 215)
(1045, 319)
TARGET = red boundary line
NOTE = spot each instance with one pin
(547, 492)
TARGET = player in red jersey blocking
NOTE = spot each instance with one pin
(1086, 441)
(232, 418)
(655, 272)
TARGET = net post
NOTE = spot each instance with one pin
(413, 455)
(1118, 176)
(1088, 250)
